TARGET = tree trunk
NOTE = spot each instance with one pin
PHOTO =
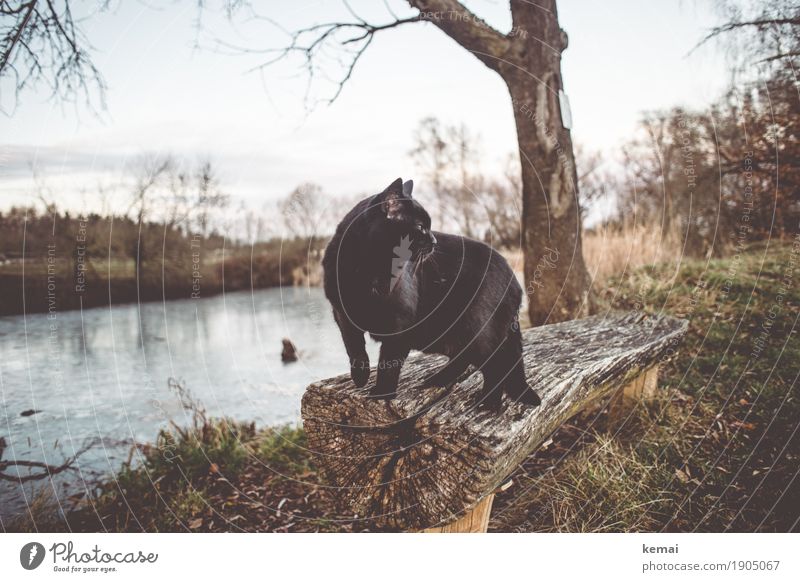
(528, 59)
(557, 283)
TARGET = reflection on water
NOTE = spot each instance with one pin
(102, 373)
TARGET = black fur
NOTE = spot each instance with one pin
(387, 274)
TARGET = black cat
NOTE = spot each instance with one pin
(388, 274)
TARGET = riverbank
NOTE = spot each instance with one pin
(55, 283)
(717, 450)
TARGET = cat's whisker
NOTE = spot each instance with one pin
(418, 263)
(432, 256)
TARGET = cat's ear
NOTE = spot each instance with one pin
(391, 198)
(407, 188)
(394, 189)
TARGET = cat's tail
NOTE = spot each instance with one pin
(515, 385)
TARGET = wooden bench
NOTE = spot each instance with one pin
(431, 460)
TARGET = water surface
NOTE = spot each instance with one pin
(102, 373)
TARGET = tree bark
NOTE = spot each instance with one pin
(557, 282)
(528, 59)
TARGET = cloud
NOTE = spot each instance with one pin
(20, 161)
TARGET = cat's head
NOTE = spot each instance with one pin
(405, 218)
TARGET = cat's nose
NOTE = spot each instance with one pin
(433, 238)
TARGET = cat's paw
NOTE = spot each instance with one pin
(523, 394)
(440, 379)
(491, 401)
(382, 393)
(434, 381)
(359, 370)
(529, 397)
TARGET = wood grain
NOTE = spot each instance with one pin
(427, 457)
(476, 520)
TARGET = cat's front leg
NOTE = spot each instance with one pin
(359, 369)
(392, 357)
(448, 373)
(355, 346)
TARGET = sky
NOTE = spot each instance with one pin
(172, 88)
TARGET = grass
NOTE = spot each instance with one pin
(215, 475)
(716, 450)
(610, 251)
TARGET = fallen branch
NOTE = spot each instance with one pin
(47, 470)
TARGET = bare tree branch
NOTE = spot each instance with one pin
(762, 23)
(317, 42)
(41, 42)
(467, 29)
(310, 43)
(769, 32)
(17, 33)
(47, 470)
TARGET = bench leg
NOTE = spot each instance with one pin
(474, 521)
(642, 388)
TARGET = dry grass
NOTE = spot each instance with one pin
(603, 480)
(716, 450)
(616, 251)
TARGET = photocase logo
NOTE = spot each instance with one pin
(402, 254)
(31, 555)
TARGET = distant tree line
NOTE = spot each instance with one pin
(712, 179)
(715, 177)
(731, 174)
(172, 235)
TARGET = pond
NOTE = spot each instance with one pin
(102, 374)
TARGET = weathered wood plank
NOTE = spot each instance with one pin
(428, 456)
(476, 520)
(642, 388)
